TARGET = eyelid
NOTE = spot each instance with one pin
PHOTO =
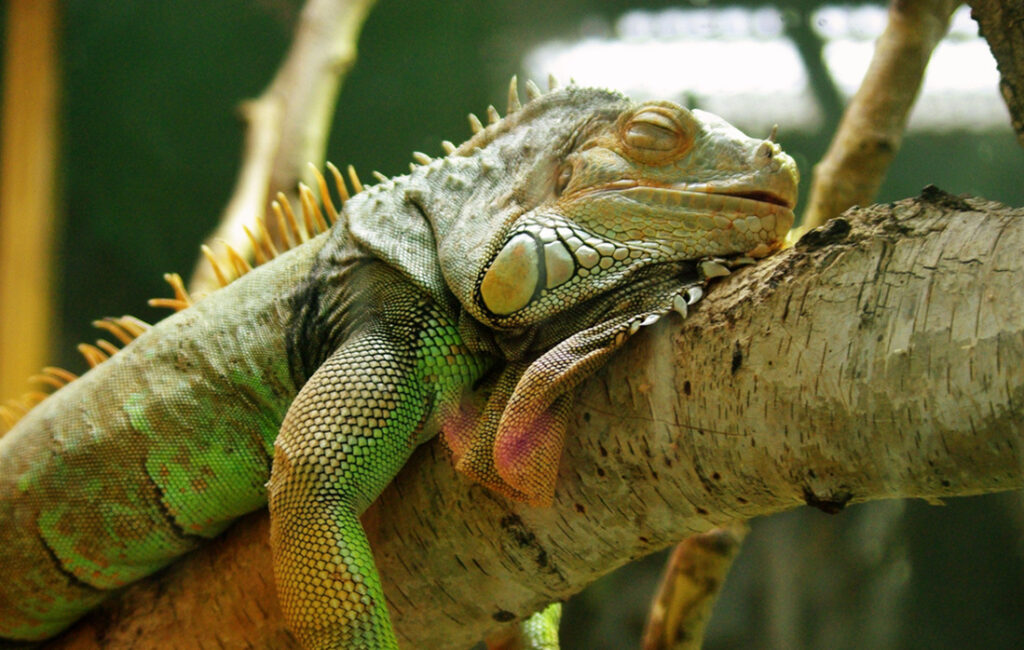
(652, 131)
(656, 133)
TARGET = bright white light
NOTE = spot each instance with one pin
(733, 62)
(955, 66)
(710, 66)
(739, 63)
(961, 89)
(961, 25)
(689, 24)
(961, 84)
(864, 23)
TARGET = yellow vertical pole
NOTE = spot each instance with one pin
(28, 141)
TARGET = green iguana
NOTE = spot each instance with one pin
(470, 297)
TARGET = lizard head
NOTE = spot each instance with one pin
(686, 181)
(645, 184)
(565, 228)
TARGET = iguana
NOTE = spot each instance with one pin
(470, 297)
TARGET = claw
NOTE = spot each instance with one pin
(713, 269)
(650, 319)
(693, 294)
(679, 305)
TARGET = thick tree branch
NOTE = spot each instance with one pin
(881, 357)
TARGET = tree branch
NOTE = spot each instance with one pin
(690, 585)
(881, 357)
(1002, 25)
(871, 130)
(288, 124)
(29, 141)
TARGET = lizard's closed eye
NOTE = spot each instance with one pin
(655, 133)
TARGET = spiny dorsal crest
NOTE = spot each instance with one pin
(231, 265)
(484, 134)
(125, 329)
(228, 267)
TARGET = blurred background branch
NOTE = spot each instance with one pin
(692, 581)
(1002, 25)
(28, 160)
(288, 125)
(872, 127)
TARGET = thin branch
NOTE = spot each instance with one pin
(27, 189)
(871, 130)
(691, 583)
(811, 47)
(289, 123)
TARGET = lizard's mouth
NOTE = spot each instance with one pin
(723, 218)
(763, 197)
(723, 197)
(784, 196)
(728, 202)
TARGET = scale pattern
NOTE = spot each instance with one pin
(351, 428)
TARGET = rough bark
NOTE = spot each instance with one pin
(883, 356)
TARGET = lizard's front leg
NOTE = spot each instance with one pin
(349, 431)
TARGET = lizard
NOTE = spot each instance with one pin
(468, 297)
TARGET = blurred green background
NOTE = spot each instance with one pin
(150, 147)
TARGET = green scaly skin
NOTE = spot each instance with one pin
(468, 297)
(128, 467)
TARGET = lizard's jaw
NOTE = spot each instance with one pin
(784, 195)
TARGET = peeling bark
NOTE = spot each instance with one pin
(883, 356)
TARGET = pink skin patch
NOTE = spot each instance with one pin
(526, 456)
(457, 427)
